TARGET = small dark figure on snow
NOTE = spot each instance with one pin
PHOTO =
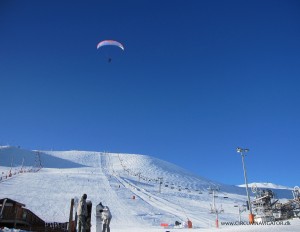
(177, 223)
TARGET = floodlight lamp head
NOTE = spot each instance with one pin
(241, 150)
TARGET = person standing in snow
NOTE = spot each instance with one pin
(82, 213)
(99, 222)
(106, 217)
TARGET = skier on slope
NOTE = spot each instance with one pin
(82, 213)
(106, 217)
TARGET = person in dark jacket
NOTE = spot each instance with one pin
(82, 213)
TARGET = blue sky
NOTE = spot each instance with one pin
(196, 80)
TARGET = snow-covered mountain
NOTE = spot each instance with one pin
(266, 185)
(128, 183)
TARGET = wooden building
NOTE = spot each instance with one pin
(13, 214)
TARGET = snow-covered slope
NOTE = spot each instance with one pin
(114, 179)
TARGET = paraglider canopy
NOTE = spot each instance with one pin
(110, 42)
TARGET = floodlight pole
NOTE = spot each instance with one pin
(242, 151)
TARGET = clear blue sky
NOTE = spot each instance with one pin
(196, 80)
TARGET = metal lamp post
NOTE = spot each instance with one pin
(242, 151)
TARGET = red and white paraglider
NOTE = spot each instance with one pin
(109, 43)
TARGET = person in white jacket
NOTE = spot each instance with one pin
(106, 217)
(82, 213)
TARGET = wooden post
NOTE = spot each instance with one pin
(15, 206)
(71, 216)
